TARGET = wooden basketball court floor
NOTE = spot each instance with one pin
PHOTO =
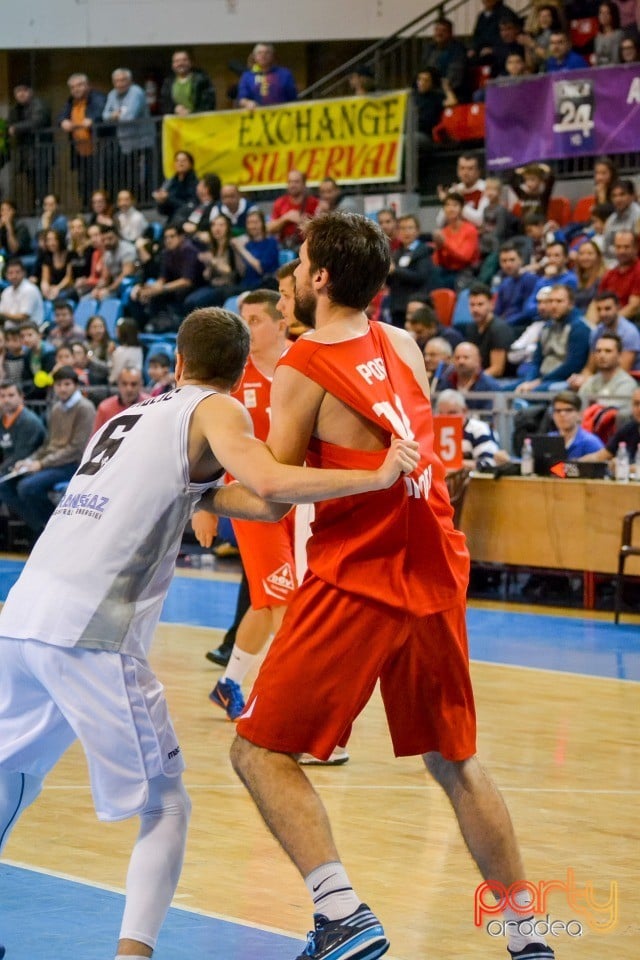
(558, 705)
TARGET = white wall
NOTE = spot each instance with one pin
(101, 23)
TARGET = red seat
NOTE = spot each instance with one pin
(601, 420)
(463, 122)
(559, 209)
(583, 208)
(444, 302)
(480, 76)
(583, 31)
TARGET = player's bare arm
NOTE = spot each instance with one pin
(409, 351)
(227, 428)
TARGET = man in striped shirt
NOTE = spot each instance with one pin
(480, 444)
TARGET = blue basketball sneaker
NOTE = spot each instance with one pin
(357, 937)
(228, 695)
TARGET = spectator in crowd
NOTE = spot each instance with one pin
(514, 289)
(180, 274)
(563, 347)
(80, 249)
(57, 277)
(388, 223)
(127, 352)
(480, 445)
(496, 220)
(196, 218)
(411, 270)
(79, 118)
(610, 321)
(554, 270)
(508, 44)
(22, 431)
(118, 263)
(52, 217)
(467, 376)
(606, 45)
(362, 81)
(566, 409)
(629, 433)
(99, 344)
(330, 198)
(92, 372)
(257, 252)
(562, 56)
(220, 268)
(624, 278)
(457, 244)
(127, 107)
(234, 207)
(437, 360)
(28, 116)
(11, 354)
(64, 329)
(422, 321)
(57, 459)
(15, 239)
(471, 188)
(533, 185)
(492, 336)
(129, 221)
(449, 57)
(265, 84)
(180, 189)
(605, 174)
(39, 357)
(129, 393)
(291, 211)
(486, 32)
(589, 269)
(629, 50)
(610, 384)
(21, 300)
(523, 350)
(101, 209)
(187, 89)
(160, 374)
(546, 20)
(84, 284)
(429, 99)
(625, 216)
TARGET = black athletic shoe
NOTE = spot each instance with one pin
(359, 936)
(1, 951)
(220, 656)
(533, 951)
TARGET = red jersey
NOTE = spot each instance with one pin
(254, 393)
(284, 204)
(624, 283)
(397, 546)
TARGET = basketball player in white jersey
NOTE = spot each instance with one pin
(74, 636)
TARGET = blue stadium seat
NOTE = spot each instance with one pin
(286, 256)
(84, 310)
(157, 346)
(110, 311)
(231, 303)
(461, 313)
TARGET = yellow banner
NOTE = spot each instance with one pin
(353, 140)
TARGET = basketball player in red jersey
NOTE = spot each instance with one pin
(383, 598)
(266, 548)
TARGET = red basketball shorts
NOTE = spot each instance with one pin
(267, 551)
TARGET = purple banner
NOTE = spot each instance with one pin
(570, 114)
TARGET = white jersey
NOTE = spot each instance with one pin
(99, 573)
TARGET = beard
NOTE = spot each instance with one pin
(305, 308)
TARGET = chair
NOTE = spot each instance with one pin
(286, 256)
(583, 208)
(462, 122)
(84, 311)
(444, 302)
(110, 310)
(457, 482)
(461, 313)
(231, 303)
(627, 549)
(583, 31)
(559, 209)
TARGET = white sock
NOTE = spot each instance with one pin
(240, 663)
(520, 936)
(331, 891)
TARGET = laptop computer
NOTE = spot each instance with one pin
(547, 451)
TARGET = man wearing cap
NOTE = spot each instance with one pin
(57, 459)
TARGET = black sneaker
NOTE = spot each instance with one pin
(359, 936)
(533, 951)
(220, 656)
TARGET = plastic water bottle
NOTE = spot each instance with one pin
(622, 463)
(526, 459)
